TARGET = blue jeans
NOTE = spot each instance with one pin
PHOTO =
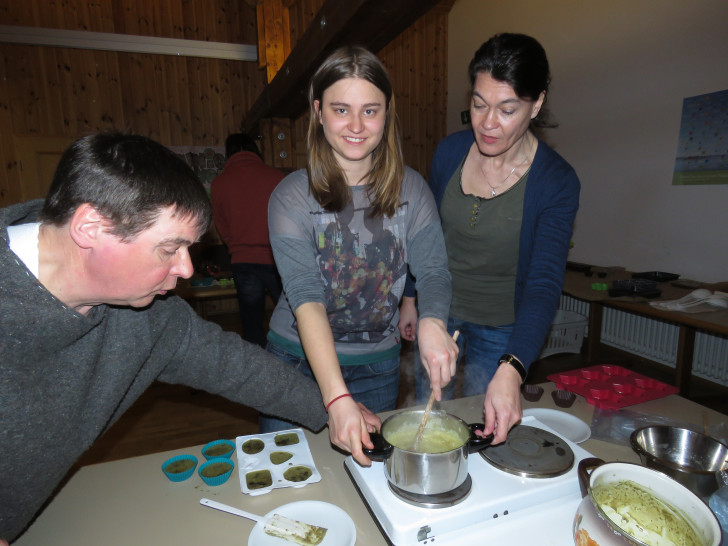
(251, 283)
(480, 348)
(374, 385)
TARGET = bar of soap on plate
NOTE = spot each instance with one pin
(294, 531)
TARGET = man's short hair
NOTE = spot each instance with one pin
(129, 179)
(240, 142)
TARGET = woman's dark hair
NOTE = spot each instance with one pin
(129, 179)
(521, 62)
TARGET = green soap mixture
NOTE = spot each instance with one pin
(215, 469)
(251, 447)
(287, 439)
(179, 466)
(278, 457)
(644, 516)
(434, 440)
(258, 479)
(217, 450)
(298, 474)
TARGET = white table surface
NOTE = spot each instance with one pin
(130, 501)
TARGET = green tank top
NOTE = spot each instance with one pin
(482, 240)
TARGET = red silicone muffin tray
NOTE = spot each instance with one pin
(608, 386)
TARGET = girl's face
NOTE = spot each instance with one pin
(499, 117)
(353, 113)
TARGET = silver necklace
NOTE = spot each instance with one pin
(493, 193)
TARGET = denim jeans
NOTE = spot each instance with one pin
(252, 281)
(374, 385)
(480, 348)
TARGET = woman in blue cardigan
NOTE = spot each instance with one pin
(507, 203)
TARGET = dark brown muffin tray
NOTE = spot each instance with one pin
(608, 386)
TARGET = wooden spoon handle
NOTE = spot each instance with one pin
(430, 402)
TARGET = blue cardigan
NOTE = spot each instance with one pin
(549, 208)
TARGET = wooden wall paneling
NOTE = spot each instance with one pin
(150, 98)
(129, 90)
(38, 158)
(198, 101)
(66, 67)
(20, 67)
(17, 13)
(219, 107)
(101, 16)
(278, 142)
(110, 96)
(165, 104)
(56, 89)
(176, 102)
(9, 172)
(89, 90)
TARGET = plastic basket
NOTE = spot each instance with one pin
(566, 334)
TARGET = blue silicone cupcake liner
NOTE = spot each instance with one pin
(230, 445)
(216, 480)
(180, 476)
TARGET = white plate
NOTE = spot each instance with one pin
(570, 427)
(341, 529)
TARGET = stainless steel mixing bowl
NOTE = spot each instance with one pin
(686, 456)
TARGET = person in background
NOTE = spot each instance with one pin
(343, 233)
(87, 322)
(240, 197)
(507, 203)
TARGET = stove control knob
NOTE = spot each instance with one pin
(423, 532)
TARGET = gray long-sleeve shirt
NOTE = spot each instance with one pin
(65, 378)
(355, 264)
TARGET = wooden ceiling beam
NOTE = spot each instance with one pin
(369, 23)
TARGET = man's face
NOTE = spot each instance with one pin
(132, 273)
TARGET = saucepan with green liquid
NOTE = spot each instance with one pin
(438, 463)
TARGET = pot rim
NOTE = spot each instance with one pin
(605, 467)
(455, 418)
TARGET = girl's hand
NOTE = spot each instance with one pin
(438, 352)
(349, 425)
(408, 318)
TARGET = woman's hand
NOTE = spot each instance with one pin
(408, 318)
(350, 423)
(502, 406)
(438, 352)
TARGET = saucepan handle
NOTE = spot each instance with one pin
(382, 448)
(476, 443)
(584, 471)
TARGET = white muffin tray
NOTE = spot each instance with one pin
(300, 456)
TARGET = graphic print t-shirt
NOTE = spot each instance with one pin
(351, 262)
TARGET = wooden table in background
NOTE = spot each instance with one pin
(578, 285)
(199, 296)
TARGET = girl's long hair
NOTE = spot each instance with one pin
(325, 177)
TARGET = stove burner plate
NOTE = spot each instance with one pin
(441, 500)
(531, 452)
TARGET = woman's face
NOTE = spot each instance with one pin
(353, 113)
(498, 116)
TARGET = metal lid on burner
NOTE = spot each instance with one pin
(531, 452)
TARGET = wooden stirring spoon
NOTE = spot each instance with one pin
(428, 409)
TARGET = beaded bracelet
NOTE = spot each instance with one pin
(335, 399)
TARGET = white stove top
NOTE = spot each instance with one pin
(496, 506)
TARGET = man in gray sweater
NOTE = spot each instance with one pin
(86, 325)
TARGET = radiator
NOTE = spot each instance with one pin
(657, 340)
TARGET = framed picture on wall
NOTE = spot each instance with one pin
(702, 152)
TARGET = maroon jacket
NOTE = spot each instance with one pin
(240, 196)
